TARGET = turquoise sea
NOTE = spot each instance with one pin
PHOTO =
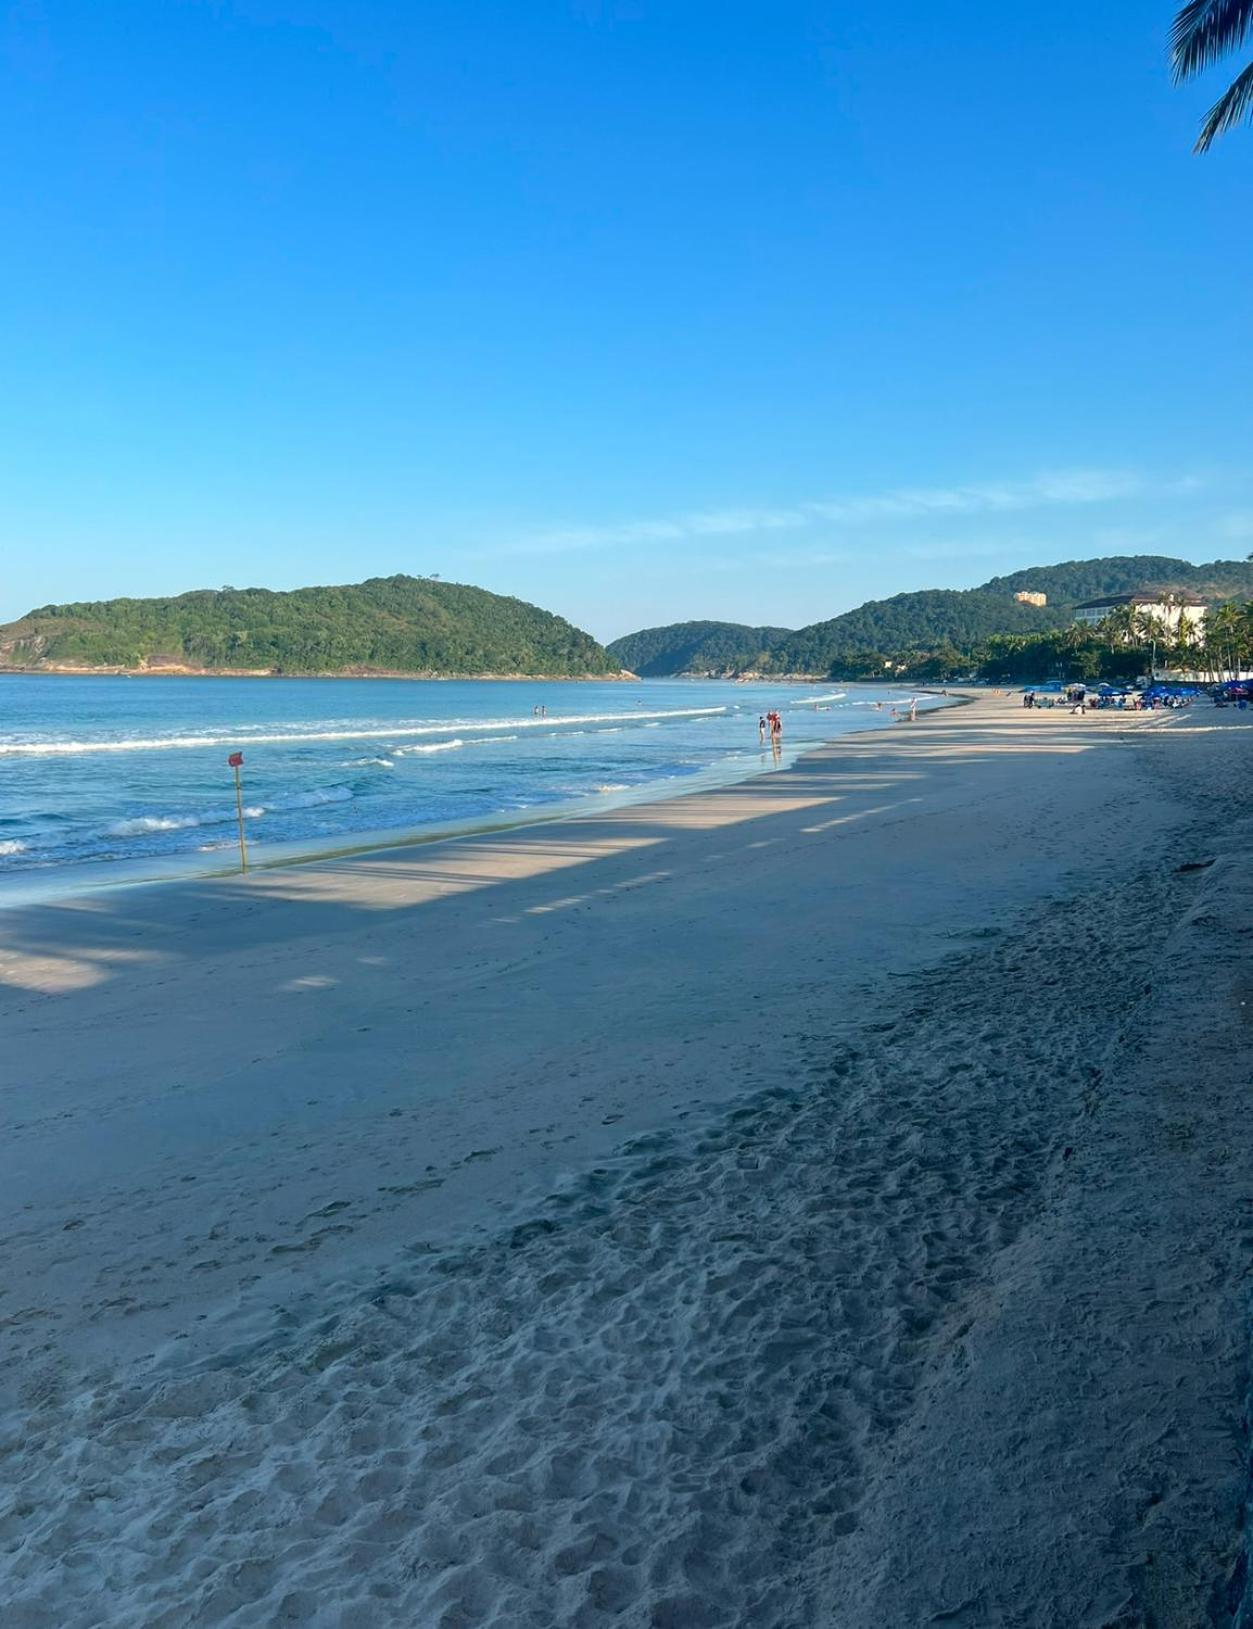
(129, 776)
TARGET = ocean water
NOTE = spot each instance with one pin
(131, 774)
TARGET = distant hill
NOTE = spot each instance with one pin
(702, 648)
(1074, 581)
(407, 625)
(930, 620)
(919, 621)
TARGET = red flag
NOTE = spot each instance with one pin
(235, 760)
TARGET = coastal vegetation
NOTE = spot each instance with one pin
(1123, 646)
(404, 625)
(938, 634)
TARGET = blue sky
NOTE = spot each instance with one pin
(641, 311)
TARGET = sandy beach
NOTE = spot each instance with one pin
(825, 1200)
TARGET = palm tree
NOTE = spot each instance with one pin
(1118, 625)
(1222, 632)
(1241, 635)
(1204, 31)
(1149, 630)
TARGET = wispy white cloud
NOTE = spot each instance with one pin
(1062, 487)
(673, 529)
(807, 555)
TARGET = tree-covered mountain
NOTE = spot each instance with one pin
(408, 625)
(1074, 581)
(919, 621)
(701, 648)
(934, 622)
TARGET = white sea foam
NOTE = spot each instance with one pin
(435, 746)
(148, 823)
(142, 825)
(12, 845)
(612, 786)
(158, 743)
(369, 763)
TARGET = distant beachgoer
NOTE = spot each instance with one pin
(761, 729)
(913, 709)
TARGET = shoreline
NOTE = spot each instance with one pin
(23, 886)
(541, 1223)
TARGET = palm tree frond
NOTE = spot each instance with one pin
(1231, 108)
(1205, 30)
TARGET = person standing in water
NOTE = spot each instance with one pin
(761, 730)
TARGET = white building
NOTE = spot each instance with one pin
(1169, 609)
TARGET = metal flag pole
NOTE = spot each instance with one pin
(236, 761)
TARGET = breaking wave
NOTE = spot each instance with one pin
(159, 743)
(143, 825)
(436, 746)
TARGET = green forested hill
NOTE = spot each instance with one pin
(387, 624)
(920, 621)
(1074, 581)
(695, 647)
(932, 621)
(959, 620)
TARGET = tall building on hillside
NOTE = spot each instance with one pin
(1170, 609)
(1031, 596)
